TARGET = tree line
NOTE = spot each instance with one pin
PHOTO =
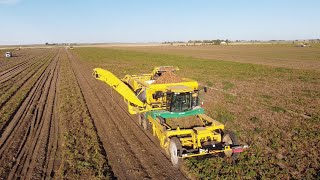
(215, 41)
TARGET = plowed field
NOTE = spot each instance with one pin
(57, 121)
(29, 121)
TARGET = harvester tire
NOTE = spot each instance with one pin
(175, 150)
(230, 138)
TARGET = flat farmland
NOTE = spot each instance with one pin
(274, 108)
(45, 128)
(57, 121)
(280, 55)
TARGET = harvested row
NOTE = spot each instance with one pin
(28, 143)
(19, 91)
(19, 68)
(131, 153)
(11, 86)
(81, 153)
(20, 58)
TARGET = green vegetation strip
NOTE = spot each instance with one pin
(83, 157)
(131, 62)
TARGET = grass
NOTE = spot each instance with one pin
(132, 62)
(230, 98)
(285, 56)
(282, 145)
(277, 109)
(227, 85)
(224, 115)
(265, 96)
(209, 83)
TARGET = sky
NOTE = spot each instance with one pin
(137, 21)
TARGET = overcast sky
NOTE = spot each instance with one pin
(85, 21)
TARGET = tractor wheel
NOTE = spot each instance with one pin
(175, 150)
(230, 138)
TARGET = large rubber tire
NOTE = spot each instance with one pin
(175, 150)
(230, 138)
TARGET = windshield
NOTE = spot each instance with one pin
(180, 102)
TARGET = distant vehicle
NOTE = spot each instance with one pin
(303, 45)
(8, 54)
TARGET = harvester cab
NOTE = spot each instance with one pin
(181, 98)
(170, 108)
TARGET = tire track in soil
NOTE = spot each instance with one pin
(14, 63)
(20, 85)
(13, 73)
(29, 143)
(30, 71)
(6, 63)
(131, 153)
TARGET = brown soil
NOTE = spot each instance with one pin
(132, 152)
(168, 77)
(29, 141)
(33, 131)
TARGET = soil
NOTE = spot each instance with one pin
(132, 152)
(168, 77)
(29, 138)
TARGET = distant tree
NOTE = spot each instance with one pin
(217, 42)
(47, 43)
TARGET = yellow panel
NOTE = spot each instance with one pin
(118, 85)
